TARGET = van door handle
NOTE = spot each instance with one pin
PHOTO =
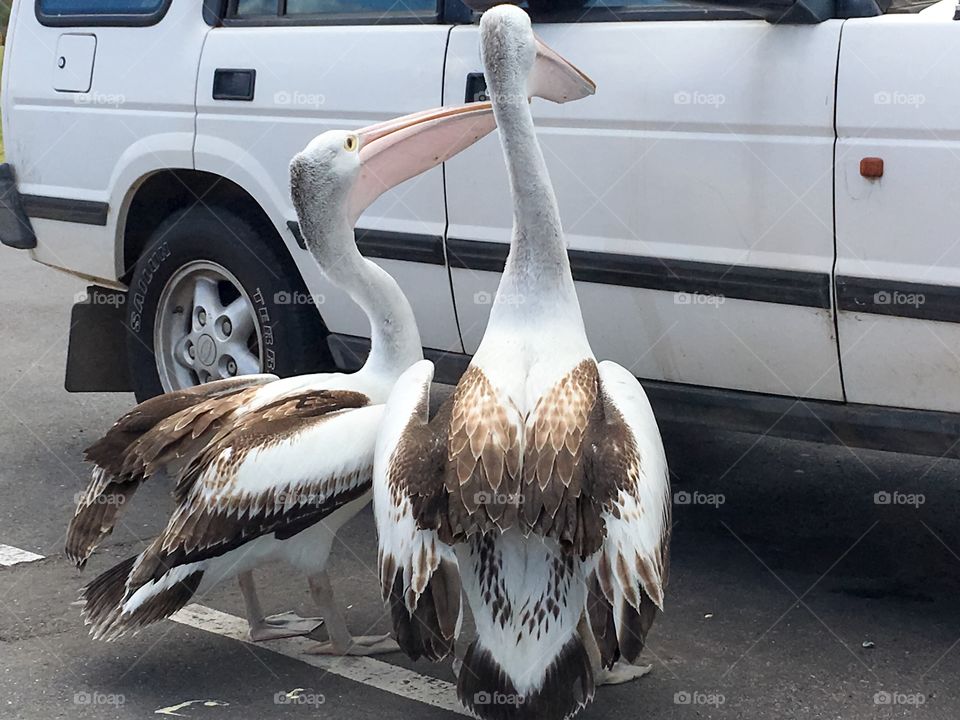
(476, 88)
(234, 84)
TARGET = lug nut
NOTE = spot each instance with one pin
(231, 367)
(202, 317)
(191, 350)
(227, 328)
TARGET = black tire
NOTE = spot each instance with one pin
(293, 333)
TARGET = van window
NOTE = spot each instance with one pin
(619, 4)
(100, 7)
(317, 7)
(309, 11)
(614, 10)
(247, 8)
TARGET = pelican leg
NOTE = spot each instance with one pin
(620, 673)
(274, 627)
(341, 642)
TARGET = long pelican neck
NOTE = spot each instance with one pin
(537, 266)
(395, 340)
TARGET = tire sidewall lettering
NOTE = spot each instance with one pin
(153, 264)
(266, 330)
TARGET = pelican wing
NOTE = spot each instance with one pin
(279, 469)
(628, 473)
(507, 469)
(418, 572)
(484, 451)
(112, 484)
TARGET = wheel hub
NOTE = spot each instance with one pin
(206, 328)
(207, 350)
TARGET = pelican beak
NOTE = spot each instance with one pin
(397, 150)
(557, 79)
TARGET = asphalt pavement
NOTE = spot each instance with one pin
(807, 581)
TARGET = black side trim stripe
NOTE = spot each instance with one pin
(85, 212)
(388, 245)
(875, 427)
(477, 255)
(919, 301)
(786, 287)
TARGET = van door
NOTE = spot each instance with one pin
(695, 191)
(897, 179)
(269, 82)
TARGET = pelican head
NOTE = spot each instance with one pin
(508, 43)
(342, 172)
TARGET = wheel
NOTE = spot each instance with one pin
(210, 299)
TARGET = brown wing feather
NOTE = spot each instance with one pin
(496, 478)
(180, 437)
(423, 589)
(482, 476)
(552, 463)
(421, 460)
(628, 580)
(263, 428)
(112, 484)
(202, 529)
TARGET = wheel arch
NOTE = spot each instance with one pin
(157, 195)
(176, 209)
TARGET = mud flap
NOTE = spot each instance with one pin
(97, 352)
(15, 228)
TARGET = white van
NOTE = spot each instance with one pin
(760, 200)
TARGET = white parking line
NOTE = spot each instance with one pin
(365, 670)
(10, 555)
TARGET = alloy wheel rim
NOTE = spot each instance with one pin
(206, 328)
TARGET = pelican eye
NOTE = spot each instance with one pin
(350, 143)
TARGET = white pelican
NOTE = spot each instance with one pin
(286, 463)
(543, 479)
